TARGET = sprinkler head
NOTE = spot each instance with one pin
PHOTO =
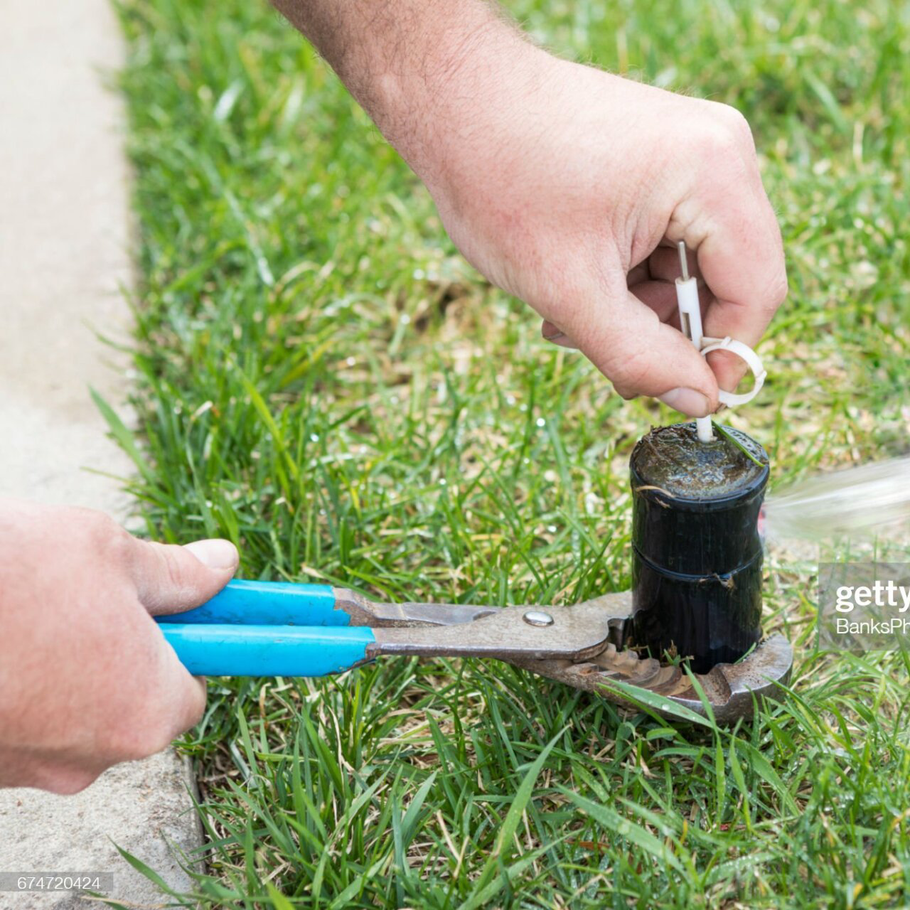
(696, 549)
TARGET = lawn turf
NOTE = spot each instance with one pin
(320, 377)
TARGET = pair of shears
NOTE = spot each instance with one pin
(260, 628)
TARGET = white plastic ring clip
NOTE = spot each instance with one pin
(732, 399)
(690, 324)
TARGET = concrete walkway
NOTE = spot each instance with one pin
(64, 241)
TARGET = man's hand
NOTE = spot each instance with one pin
(86, 678)
(570, 187)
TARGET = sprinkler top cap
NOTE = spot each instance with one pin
(671, 463)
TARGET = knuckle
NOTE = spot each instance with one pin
(169, 578)
(103, 534)
(157, 740)
(154, 722)
(141, 722)
(67, 781)
(737, 124)
(723, 133)
(173, 569)
(118, 546)
(140, 740)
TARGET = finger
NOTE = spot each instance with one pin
(174, 701)
(55, 776)
(660, 297)
(158, 698)
(664, 265)
(186, 695)
(169, 578)
(641, 355)
(740, 255)
(728, 368)
(639, 273)
(554, 334)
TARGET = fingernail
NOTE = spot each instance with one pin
(686, 400)
(554, 336)
(216, 554)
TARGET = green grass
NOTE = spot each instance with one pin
(321, 378)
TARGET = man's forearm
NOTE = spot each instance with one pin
(421, 69)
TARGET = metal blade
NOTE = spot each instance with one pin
(376, 614)
(731, 689)
(579, 632)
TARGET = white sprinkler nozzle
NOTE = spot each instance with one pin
(690, 323)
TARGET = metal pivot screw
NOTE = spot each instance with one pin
(538, 618)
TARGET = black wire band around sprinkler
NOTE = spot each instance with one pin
(696, 547)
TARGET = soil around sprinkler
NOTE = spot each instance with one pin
(673, 460)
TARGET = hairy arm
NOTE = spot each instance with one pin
(567, 186)
(421, 70)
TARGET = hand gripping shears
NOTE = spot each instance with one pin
(256, 628)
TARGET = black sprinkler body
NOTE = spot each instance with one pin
(696, 547)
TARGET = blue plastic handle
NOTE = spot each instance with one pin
(238, 650)
(267, 628)
(267, 603)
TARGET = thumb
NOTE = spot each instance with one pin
(170, 578)
(641, 355)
